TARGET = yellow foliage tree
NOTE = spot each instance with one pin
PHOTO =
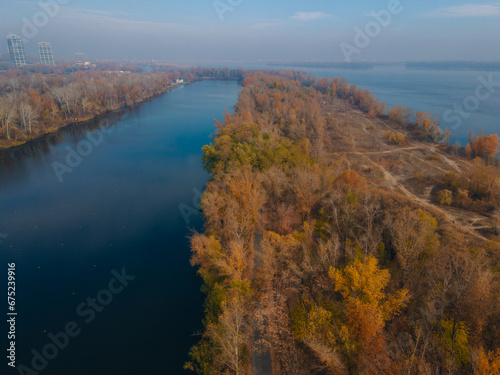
(368, 307)
(364, 282)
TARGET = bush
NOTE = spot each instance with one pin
(432, 157)
(445, 197)
(418, 176)
(395, 138)
(453, 181)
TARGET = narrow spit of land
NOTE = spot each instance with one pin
(341, 238)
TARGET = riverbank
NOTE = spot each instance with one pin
(7, 145)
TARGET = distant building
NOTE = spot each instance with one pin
(16, 50)
(46, 54)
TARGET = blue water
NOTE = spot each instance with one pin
(119, 207)
(435, 91)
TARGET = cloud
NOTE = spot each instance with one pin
(467, 10)
(309, 16)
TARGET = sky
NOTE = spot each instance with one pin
(252, 30)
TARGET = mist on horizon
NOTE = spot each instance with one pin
(239, 30)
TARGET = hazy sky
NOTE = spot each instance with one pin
(181, 30)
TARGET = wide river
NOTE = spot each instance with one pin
(118, 208)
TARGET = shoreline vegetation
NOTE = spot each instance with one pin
(31, 107)
(341, 238)
(91, 122)
(35, 105)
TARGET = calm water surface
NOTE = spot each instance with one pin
(119, 207)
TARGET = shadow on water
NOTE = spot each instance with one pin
(71, 134)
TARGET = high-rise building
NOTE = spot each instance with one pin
(16, 50)
(46, 54)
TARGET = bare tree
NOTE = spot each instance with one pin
(27, 116)
(230, 335)
(8, 116)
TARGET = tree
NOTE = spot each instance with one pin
(482, 180)
(236, 262)
(483, 146)
(351, 180)
(207, 252)
(400, 114)
(413, 233)
(368, 307)
(395, 138)
(363, 281)
(305, 185)
(425, 120)
(8, 116)
(27, 115)
(230, 335)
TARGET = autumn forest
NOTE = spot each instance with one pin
(342, 238)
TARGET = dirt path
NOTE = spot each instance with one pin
(447, 160)
(453, 219)
(261, 361)
(365, 138)
(433, 149)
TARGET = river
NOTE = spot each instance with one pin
(71, 224)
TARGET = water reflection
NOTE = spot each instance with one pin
(71, 134)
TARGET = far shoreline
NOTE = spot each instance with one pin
(86, 122)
